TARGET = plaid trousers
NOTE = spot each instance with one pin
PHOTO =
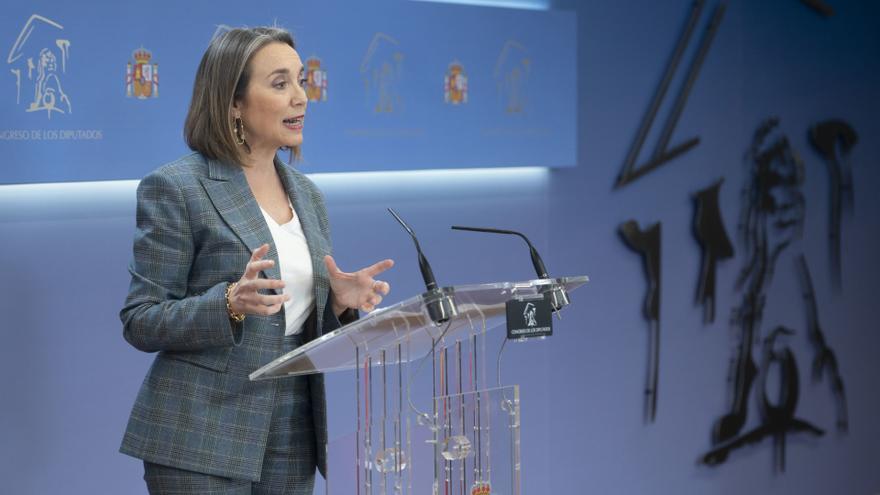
(290, 459)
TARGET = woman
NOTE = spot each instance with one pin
(231, 269)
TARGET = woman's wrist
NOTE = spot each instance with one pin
(338, 309)
(236, 317)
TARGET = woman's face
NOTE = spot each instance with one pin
(274, 103)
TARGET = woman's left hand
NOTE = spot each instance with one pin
(359, 289)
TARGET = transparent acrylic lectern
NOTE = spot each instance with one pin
(462, 440)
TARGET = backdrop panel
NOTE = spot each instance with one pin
(99, 91)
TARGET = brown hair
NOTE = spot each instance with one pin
(221, 79)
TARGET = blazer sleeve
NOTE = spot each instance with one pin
(158, 313)
(332, 322)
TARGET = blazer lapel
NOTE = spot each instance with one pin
(231, 195)
(318, 245)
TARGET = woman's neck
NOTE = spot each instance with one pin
(260, 161)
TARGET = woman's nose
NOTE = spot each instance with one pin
(299, 95)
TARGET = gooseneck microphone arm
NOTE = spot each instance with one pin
(537, 262)
(424, 266)
(554, 292)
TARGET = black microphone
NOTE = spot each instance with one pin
(557, 294)
(438, 301)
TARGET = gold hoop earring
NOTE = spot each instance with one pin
(238, 131)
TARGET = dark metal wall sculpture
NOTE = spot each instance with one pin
(777, 419)
(834, 139)
(824, 361)
(647, 243)
(773, 204)
(662, 153)
(772, 216)
(819, 6)
(710, 233)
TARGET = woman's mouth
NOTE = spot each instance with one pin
(294, 123)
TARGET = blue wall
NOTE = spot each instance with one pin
(71, 378)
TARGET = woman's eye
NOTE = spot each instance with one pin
(303, 81)
(281, 84)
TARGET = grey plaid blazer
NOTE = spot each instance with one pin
(197, 223)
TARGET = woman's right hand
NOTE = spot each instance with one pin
(244, 298)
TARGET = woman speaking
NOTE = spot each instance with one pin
(231, 269)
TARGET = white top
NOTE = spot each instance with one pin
(295, 265)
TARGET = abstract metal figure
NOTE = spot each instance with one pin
(710, 233)
(647, 243)
(819, 6)
(662, 153)
(829, 138)
(777, 419)
(771, 217)
(824, 358)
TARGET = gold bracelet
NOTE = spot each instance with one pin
(236, 317)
